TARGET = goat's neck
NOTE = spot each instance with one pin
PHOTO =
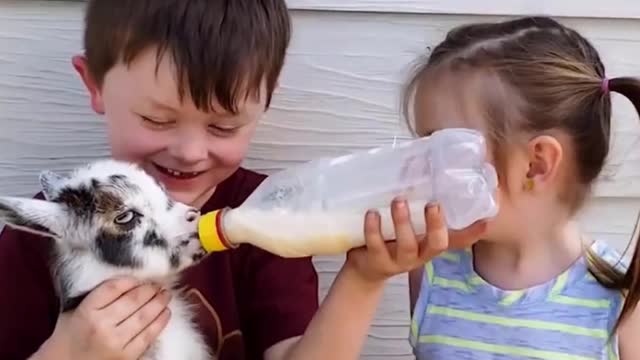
(78, 274)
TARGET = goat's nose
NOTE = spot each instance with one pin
(192, 215)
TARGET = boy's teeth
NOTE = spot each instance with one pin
(178, 173)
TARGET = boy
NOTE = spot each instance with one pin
(182, 85)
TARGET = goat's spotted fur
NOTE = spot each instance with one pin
(109, 219)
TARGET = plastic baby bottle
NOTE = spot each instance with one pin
(318, 208)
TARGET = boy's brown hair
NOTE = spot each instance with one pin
(222, 50)
(548, 77)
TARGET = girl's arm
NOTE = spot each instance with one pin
(339, 328)
(628, 336)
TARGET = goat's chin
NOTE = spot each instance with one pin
(164, 280)
(163, 274)
(84, 272)
(160, 275)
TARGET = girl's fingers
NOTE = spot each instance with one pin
(437, 238)
(376, 246)
(461, 239)
(406, 244)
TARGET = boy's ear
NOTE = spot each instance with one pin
(50, 183)
(82, 67)
(36, 216)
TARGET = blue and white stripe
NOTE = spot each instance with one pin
(460, 316)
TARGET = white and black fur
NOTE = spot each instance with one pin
(110, 218)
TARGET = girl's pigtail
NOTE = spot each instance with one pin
(628, 282)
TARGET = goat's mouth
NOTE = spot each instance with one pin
(190, 249)
(199, 255)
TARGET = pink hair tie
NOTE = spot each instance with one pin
(605, 85)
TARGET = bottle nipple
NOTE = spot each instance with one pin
(210, 232)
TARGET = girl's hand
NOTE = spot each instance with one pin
(380, 260)
(117, 320)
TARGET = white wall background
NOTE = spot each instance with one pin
(339, 93)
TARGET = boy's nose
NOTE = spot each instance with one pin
(189, 150)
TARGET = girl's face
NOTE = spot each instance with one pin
(444, 104)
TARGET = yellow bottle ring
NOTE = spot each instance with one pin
(210, 232)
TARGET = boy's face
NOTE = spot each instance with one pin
(188, 150)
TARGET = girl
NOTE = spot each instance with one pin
(534, 287)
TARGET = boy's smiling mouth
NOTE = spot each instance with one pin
(177, 174)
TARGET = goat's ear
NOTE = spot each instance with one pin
(50, 183)
(36, 216)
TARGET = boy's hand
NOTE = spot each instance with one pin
(117, 320)
(380, 260)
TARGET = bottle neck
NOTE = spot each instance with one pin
(211, 232)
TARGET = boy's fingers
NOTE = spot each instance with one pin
(143, 317)
(437, 238)
(129, 303)
(140, 343)
(108, 292)
(375, 243)
(406, 244)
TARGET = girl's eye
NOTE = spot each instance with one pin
(125, 218)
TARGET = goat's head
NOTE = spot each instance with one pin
(114, 216)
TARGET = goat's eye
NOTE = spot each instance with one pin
(125, 217)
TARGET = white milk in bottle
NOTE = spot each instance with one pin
(318, 208)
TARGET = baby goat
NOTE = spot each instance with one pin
(109, 219)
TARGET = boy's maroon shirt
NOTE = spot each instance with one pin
(247, 299)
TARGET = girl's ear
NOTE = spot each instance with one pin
(82, 68)
(40, 217)
(545, 154)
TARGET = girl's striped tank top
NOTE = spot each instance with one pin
(460, 316)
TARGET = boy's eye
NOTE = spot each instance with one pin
(223, 131)
(155, 121)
